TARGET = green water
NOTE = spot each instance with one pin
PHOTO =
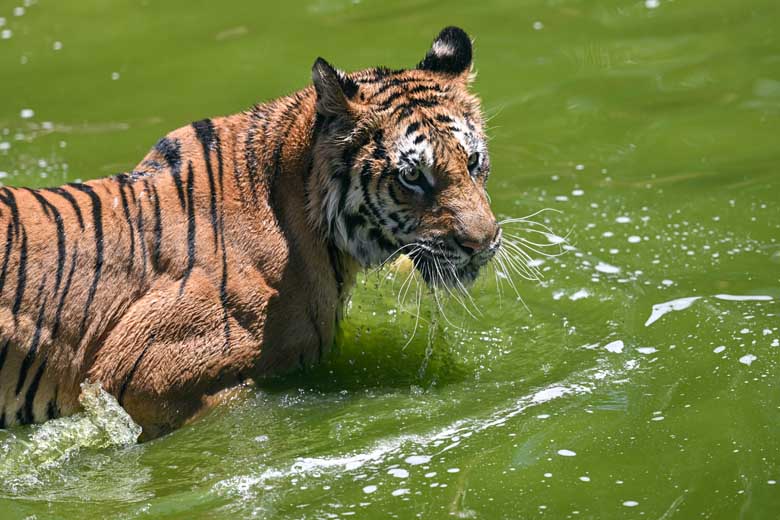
(652, 127)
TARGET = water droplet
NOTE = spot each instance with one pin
(416, 460)
(747, 359)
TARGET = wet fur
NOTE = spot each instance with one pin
(227, 253)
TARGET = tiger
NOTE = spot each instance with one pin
(227, 254)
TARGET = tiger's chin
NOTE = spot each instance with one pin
(439, 272)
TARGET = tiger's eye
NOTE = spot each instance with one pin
(473, 161)
(412, 176)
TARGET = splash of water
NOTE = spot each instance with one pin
(32, 456)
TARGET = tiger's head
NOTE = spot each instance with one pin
(401, 163)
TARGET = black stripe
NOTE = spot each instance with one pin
(405, 110)
(122, 182)
(424, 88)
(21, 278)
(32, 351)
(379, 74)
(345, 173)
(190, 227)
(157, 241)
(4, 352)
(9, 242)
(27, 415)
(131, 373)
(223, 294)
(379, 147)
(141, 235)
(65, 194)
(412, 128)
(97, 222)
(352, 221)
(65, 290)
(54, 213)
(395, 82)
(365, 179)
(170, 149)
(276, 167)
(8, 198)
(388, 102)
(335, 263)
(393, 195)
(52, 410)
(204, 131)
(381, 240)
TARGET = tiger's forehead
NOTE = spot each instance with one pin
(425, 117)
(417, 96)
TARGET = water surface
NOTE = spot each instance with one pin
(637, 380)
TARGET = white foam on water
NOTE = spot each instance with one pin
(606, 268)
(32, 462)
(630, 503)
(747, 359)
(615, 346)
(416, 460)
(369, 489)
(582, 293)
(744, 298)
(647, 350)
(248, 486)
(659, 309)
(719, 349)
(398, 472)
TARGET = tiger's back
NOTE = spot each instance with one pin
(94, 273)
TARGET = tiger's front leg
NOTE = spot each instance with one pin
(174, 349)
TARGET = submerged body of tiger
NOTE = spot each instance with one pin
(226, 254)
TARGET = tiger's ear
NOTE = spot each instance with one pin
(334, 90)
(450, 54)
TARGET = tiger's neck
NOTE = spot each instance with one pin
(296, 178)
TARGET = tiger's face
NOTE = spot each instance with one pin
(407, 164)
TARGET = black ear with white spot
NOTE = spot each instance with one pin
(334, 89)
(449, 54)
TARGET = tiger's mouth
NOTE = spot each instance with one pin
(443, 266)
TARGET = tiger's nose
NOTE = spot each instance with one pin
(476, 245)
